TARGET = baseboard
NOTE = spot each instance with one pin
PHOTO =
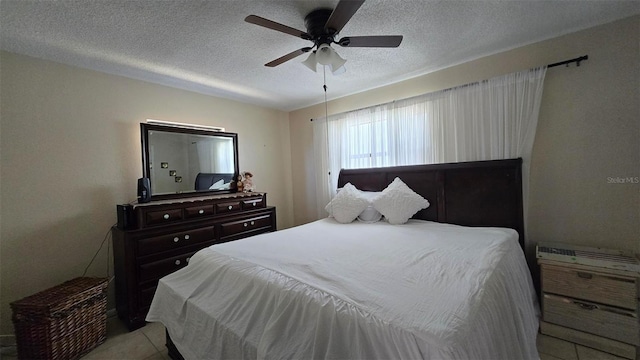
(112, 313)
(7, 340)
(10, 351)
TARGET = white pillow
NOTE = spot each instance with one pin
(398, 202)
(347, 204)
(370, 214)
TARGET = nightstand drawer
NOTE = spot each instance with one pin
(602, 320)
(601, 288)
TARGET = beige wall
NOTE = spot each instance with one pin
(70, 151)
(588, 132)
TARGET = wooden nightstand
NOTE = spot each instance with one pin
(591, 296)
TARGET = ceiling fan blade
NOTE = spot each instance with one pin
(288, 57)
(342, 14)
(253, 19)
(371, 41)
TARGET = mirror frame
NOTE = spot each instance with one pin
(146, 169)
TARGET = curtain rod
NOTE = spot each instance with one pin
(566, 62)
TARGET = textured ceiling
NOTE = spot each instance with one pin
(207, 47)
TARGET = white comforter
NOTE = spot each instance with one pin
(421, 290)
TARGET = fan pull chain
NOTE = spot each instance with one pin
(326, 121)
(326, 117)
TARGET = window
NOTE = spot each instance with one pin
(382, 136)
(491, 119)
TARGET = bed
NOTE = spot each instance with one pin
(450, 283)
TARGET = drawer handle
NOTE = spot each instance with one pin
(186, 237)
(584, 275)
(188, 259)
(245, 225)
(177, 262)
(200, 211)
(254, 204)
(586, 306)
(230, 207)
(253, 223)
(176, 239)
(166, 216)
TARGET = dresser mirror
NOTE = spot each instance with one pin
(182, 162)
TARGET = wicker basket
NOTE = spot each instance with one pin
(63, 322)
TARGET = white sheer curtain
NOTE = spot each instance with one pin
(489, 120)
(215, 155)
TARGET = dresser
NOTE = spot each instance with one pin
(590, 296)
(161, 237)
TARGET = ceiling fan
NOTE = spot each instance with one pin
(323, 26)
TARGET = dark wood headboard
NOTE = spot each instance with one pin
(476, 193)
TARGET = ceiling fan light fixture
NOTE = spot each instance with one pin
(324, 54)
(339, 71)
(337, 63)
(311, 62)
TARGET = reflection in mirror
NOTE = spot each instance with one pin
(188, 161)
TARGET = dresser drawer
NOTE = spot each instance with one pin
(175, 240)
(198, 211)
(145, 296)
(261, 223)
(253, 204)
(158, 269)
(227, 207)
(613, 323)
(601, 288)
(162, 216)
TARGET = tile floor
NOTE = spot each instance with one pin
(147, 343)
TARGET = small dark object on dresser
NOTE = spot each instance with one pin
(144, 190)
(126, 217)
